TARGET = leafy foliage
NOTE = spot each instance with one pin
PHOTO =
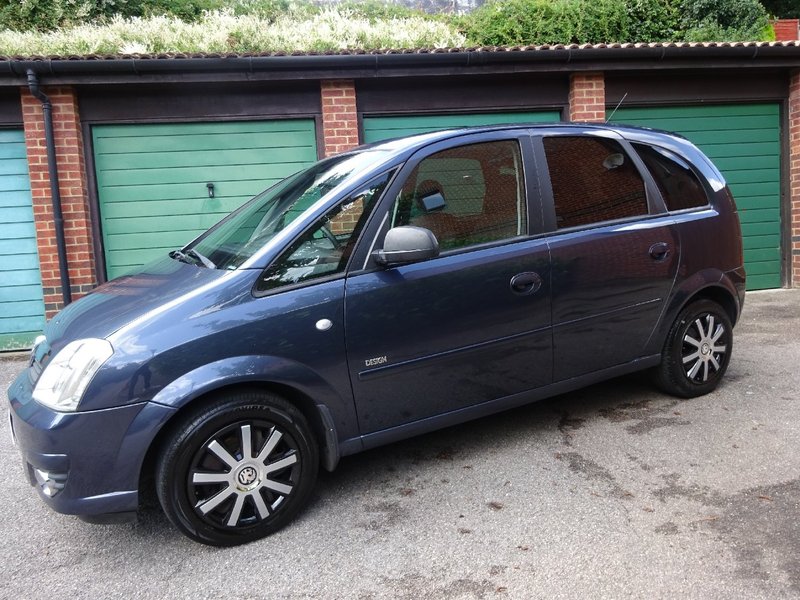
(223, 31)
(653, 20)
(43, 15)
(521, 22)
(148, 26)
(783, 9)
(728, 20)
(512, 22)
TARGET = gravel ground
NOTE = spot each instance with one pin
(614, 491)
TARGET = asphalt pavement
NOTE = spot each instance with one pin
(615, 491)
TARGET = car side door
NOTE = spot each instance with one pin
(615, 251)
(471, 325)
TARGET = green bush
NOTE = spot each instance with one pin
(724, 20)
(523, 22)
(653, 20)
(520, 22)
(783, 9)
(376, 10)
(223, 31)
(44, 15)
(187, 10)
(496, 23)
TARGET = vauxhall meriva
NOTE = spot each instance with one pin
(379, 294)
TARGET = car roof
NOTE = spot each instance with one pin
(402, 147)
(415, 141)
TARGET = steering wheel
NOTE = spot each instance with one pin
(330, 237)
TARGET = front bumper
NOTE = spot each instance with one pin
(83, 463)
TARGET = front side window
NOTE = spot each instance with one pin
(676, 181)
(326, 247)
(467, 195)
(235, 239)
(593, 180)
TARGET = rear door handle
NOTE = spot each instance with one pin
(659, 251)
(526, 283)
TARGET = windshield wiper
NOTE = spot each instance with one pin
(207, 263)
(192, 257)
(178, 255)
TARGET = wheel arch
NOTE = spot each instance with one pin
(710, 284)
(720, 295)
(186, 394)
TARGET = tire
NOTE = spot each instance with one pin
(217, 492)
(697, 351)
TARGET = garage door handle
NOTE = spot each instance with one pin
(526, 283)
(659, 251)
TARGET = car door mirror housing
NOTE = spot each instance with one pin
(406, 244)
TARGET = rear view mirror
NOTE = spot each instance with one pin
(433, 202)
(406, 244)
(613, 161)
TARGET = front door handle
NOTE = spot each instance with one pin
(526, 283)
(659, 251)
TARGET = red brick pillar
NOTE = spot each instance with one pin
(786, 30)
(794, 176)
(339, 116)
(74, 195)
(587, 97)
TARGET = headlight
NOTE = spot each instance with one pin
(65, 378)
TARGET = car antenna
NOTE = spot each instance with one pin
(616, 107)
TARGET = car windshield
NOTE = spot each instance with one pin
(240, 235)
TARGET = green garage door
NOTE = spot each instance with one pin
(382, 128)
(21, 301)
(152, 179)
(744, 142)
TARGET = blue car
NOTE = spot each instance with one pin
(382, 293)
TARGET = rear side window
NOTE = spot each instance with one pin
(678, 184)
(593, 181)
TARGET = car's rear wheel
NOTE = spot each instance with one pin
(697, 351)
(237, 469)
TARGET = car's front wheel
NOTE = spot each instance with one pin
(237, 469)
(697, 351)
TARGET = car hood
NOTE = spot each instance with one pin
(117, 303)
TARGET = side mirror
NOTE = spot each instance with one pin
(406, 244)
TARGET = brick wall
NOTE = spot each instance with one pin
(74, 196)
(794, 176)
(786, 29)
(339, 116)
(587, 97)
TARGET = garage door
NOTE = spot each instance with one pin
(744, 142)
(21, 301)
(152, 180)
(382, 128)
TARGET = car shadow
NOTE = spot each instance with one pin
(630, 398)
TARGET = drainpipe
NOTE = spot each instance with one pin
(55, 193)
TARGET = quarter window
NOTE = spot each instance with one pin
(326, 247)
(593, 181)
(678, 185)
(467, 195)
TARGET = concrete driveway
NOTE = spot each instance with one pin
(614, 491)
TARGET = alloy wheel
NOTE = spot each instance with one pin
(243, 474)
(705, 344)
